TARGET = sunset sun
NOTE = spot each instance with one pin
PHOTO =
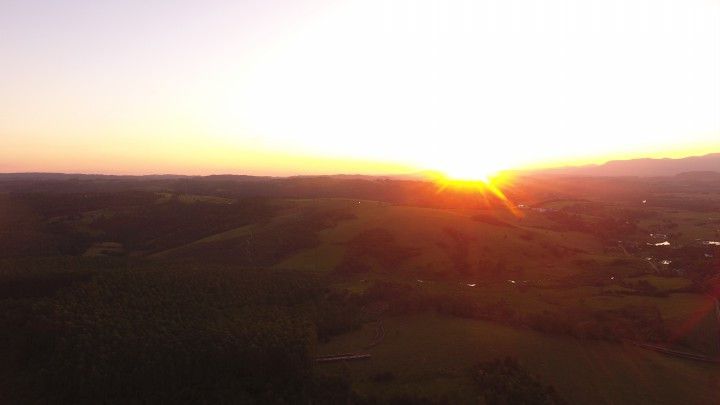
(377, 87)
(469, 171)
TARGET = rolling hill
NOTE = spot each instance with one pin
(643, 167)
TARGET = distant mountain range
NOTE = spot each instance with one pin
(642, 167)
(691, 166)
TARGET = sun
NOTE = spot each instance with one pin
(475, 178)
(468, 171)
(468, 175)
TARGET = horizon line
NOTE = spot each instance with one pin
(417, 173)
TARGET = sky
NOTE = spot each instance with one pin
(284, 87)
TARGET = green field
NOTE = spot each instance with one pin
(518, 243)
(685, 227)
(431, 354)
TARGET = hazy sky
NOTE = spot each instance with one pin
(282, 87)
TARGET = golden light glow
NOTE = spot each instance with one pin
(360, 86)
(490, 185)
(469, 88)
(468, 172)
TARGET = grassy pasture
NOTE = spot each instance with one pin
(684, 227)
(532, 250)
(430, 355)
(689, 318)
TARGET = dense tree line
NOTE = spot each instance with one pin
(160, 226)
(168, 334)
(47, 224)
